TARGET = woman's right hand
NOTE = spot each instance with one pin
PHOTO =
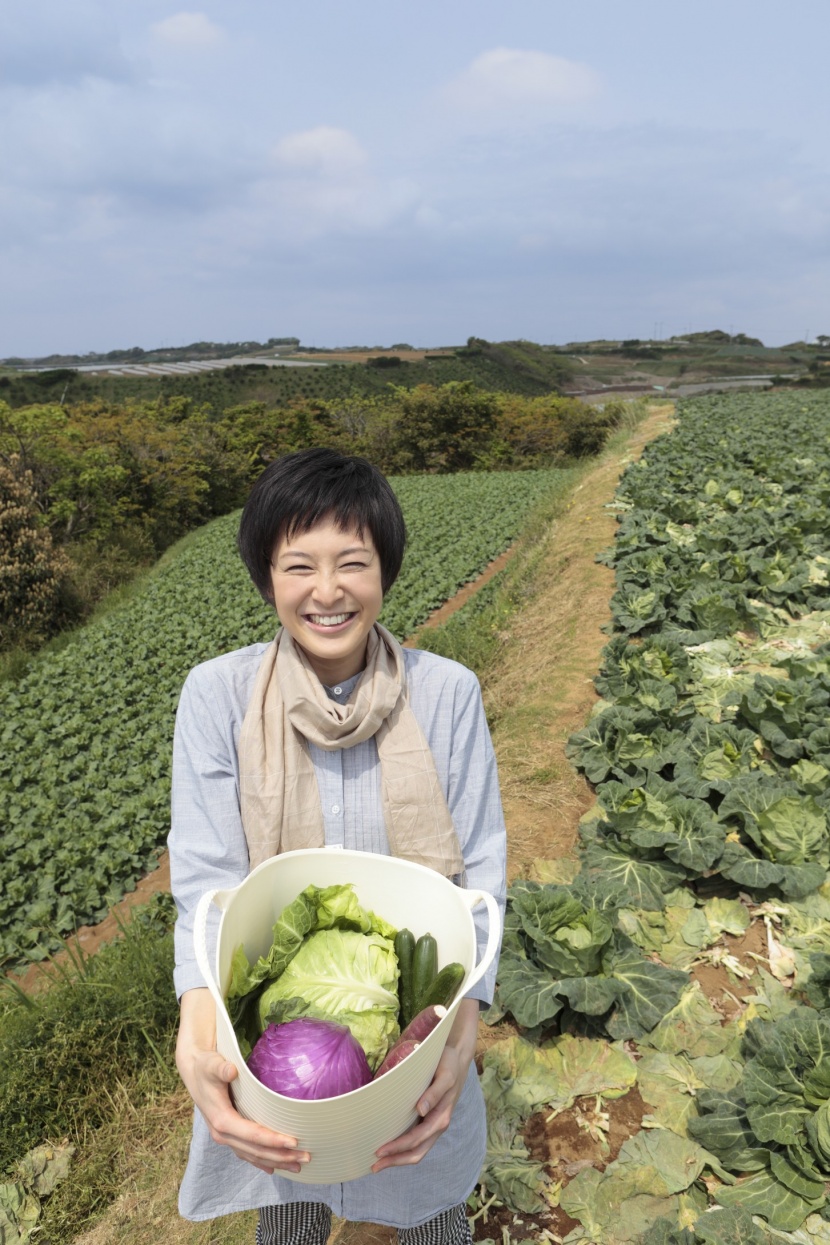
(207, 1076)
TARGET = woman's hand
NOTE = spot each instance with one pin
(207, 1075)
(436, 1104)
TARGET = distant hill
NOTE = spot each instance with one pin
(508, 367)
(279, 370)
(159, 354)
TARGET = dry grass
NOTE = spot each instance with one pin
(542, 689)
(149, 1152)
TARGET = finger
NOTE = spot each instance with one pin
(268, 1160)
(444, 1083)
(405, 1159)
(255, 1142)
(268, 1168)
(419, 1137)
(219, 1069)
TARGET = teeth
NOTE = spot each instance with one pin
(327, 620)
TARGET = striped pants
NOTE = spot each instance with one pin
(309, 1223)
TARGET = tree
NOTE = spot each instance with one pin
(32, 571)
(445, 428)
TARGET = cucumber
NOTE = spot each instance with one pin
(424, 971)
(405, 950)
(444, 986)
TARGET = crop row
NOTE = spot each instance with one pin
(710, 755)
(711, 751)
(86, 735)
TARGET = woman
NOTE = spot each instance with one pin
(330, 735)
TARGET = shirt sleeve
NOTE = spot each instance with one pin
(207, 843)
(474, 801)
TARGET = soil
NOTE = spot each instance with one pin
(543, 691)
(726, 989)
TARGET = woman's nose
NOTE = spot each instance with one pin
(327, 587)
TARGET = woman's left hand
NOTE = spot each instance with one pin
(436, 1104)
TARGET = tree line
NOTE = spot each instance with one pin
(90, 493)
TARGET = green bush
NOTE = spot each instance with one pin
(32, 571)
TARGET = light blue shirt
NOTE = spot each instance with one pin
(208, 850)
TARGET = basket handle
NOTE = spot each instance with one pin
(493, 933)
(220, 898)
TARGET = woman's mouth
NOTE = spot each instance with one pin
(328, 620)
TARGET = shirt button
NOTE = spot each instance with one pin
(338, 691)
(335, 808)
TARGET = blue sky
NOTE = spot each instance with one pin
(374, 172)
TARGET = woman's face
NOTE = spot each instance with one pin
(326, 585)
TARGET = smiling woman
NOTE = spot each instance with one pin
(307, 536)
(331, 735)
(326, 589)
(323, 538)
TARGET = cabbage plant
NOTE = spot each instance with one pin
(564, 959)
(774, 1126)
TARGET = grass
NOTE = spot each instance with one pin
(93, 1040)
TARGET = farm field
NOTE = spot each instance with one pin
(663, 1078)
(86, 735)
(508, 367)
(655, 1064)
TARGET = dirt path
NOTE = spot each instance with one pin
(461, 597)
(543, 689)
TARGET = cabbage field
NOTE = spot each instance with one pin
(703, 862)
(86, 735)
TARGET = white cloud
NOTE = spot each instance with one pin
(505, 82)
(321, 182)
(325, 151)
(188, 30)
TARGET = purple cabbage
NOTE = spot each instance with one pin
(306, 1058)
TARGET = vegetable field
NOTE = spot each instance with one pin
(667, 1077)
(86, 734)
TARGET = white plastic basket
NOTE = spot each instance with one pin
(342, 1133)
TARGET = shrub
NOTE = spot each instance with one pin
(32, 571)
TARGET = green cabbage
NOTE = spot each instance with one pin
(330, 959)
(343, 976)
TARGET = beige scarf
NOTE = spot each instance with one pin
(278, 789)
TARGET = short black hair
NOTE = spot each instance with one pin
(298, 490)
